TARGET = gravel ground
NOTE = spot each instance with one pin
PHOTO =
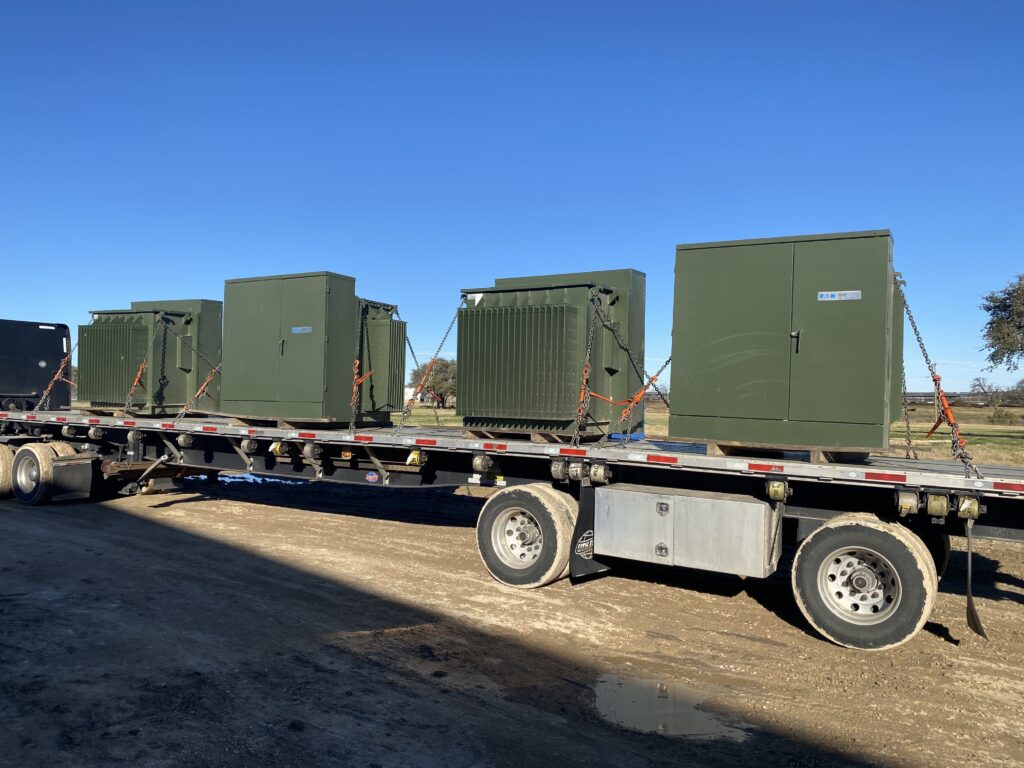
(278, 625)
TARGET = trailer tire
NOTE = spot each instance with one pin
(63, 449)
(863, 583)
(32, 473)
(6, 478)
(524, 533)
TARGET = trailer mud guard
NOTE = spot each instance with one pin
(581, 557)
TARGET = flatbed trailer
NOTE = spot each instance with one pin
(873, 537)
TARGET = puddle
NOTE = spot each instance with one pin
(670, 709)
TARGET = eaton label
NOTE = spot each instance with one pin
(838, 295)
(309, 328)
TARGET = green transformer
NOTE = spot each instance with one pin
(793, 341)
(290, 343)
(522, 347)
(179, 342)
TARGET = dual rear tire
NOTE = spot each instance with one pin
(29, 472)
(524, 535)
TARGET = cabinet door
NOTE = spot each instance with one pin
(303, 330)
(252, 328)
(731, 326)
(841, 307)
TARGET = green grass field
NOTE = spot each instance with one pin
(989, 443)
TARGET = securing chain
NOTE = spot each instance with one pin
(136, 383)
(632, 403)
(637, 368)
(957, 443)
(583, 410)
(187, 407)
(44, 401)
(215, 370)
(355, 403)
(407, 411)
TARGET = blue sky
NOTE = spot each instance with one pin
(151, 150)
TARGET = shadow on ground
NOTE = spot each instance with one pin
(125, 641)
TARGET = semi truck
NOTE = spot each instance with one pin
(29, 355)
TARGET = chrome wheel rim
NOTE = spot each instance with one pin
(516, 538)
(27, 476)
(859, 585)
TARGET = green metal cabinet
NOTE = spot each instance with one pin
(522, 345)
(180, 342)
(787, 341)
(289, 346)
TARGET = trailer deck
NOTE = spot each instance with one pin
(876, 471)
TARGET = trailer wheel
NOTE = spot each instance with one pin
(523, 535)
(863, 583)
(6, 462)
(32, 473)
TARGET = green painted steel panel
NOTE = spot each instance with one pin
(178, 340)
(290, 341)
(814, 364)
(842, 294)
(522, 345)
(304, 338)
(384, 345)
(731, 333)
(252, 335)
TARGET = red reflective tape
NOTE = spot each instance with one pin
(656, 458)
(3, 415)
(250, 431)
(92, 421)
(766, 467)
(168, 425)
(364, 438)
(885, 476)
(495, 446)
(61, 419)
(572, 452)
(425, 441)
(129, 423)
(30, 417)
(1008, 486)
(209, 429)
(307, 435)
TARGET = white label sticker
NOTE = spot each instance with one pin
(838, 295)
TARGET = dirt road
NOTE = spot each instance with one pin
(275, 625)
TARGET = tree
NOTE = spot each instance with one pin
(441, 381)
(1004, 331)
(992, 393)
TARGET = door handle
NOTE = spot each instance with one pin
(282, 346)
(796, 335)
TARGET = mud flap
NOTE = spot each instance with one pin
(72, 477)
(581, 557)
